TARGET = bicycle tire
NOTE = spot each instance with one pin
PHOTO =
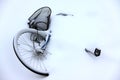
(19, 54)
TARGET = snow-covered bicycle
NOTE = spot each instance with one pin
(30, 44)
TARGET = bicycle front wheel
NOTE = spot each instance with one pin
(25, 51)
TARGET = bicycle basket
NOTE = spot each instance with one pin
(40, 19)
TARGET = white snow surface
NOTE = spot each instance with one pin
(94, 24)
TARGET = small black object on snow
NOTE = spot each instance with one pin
(64, 14)
(96, 52)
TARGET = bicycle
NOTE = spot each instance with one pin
(30, 44)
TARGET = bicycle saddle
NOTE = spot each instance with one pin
(40, 19)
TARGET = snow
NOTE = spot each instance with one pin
(94, 24)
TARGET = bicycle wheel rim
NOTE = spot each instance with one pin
(18, 53)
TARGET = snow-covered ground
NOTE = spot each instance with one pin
(94, 24)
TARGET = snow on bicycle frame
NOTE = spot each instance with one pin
(40, 20)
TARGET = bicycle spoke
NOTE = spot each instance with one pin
(26, 44)
(22, 48)
(26, 53)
